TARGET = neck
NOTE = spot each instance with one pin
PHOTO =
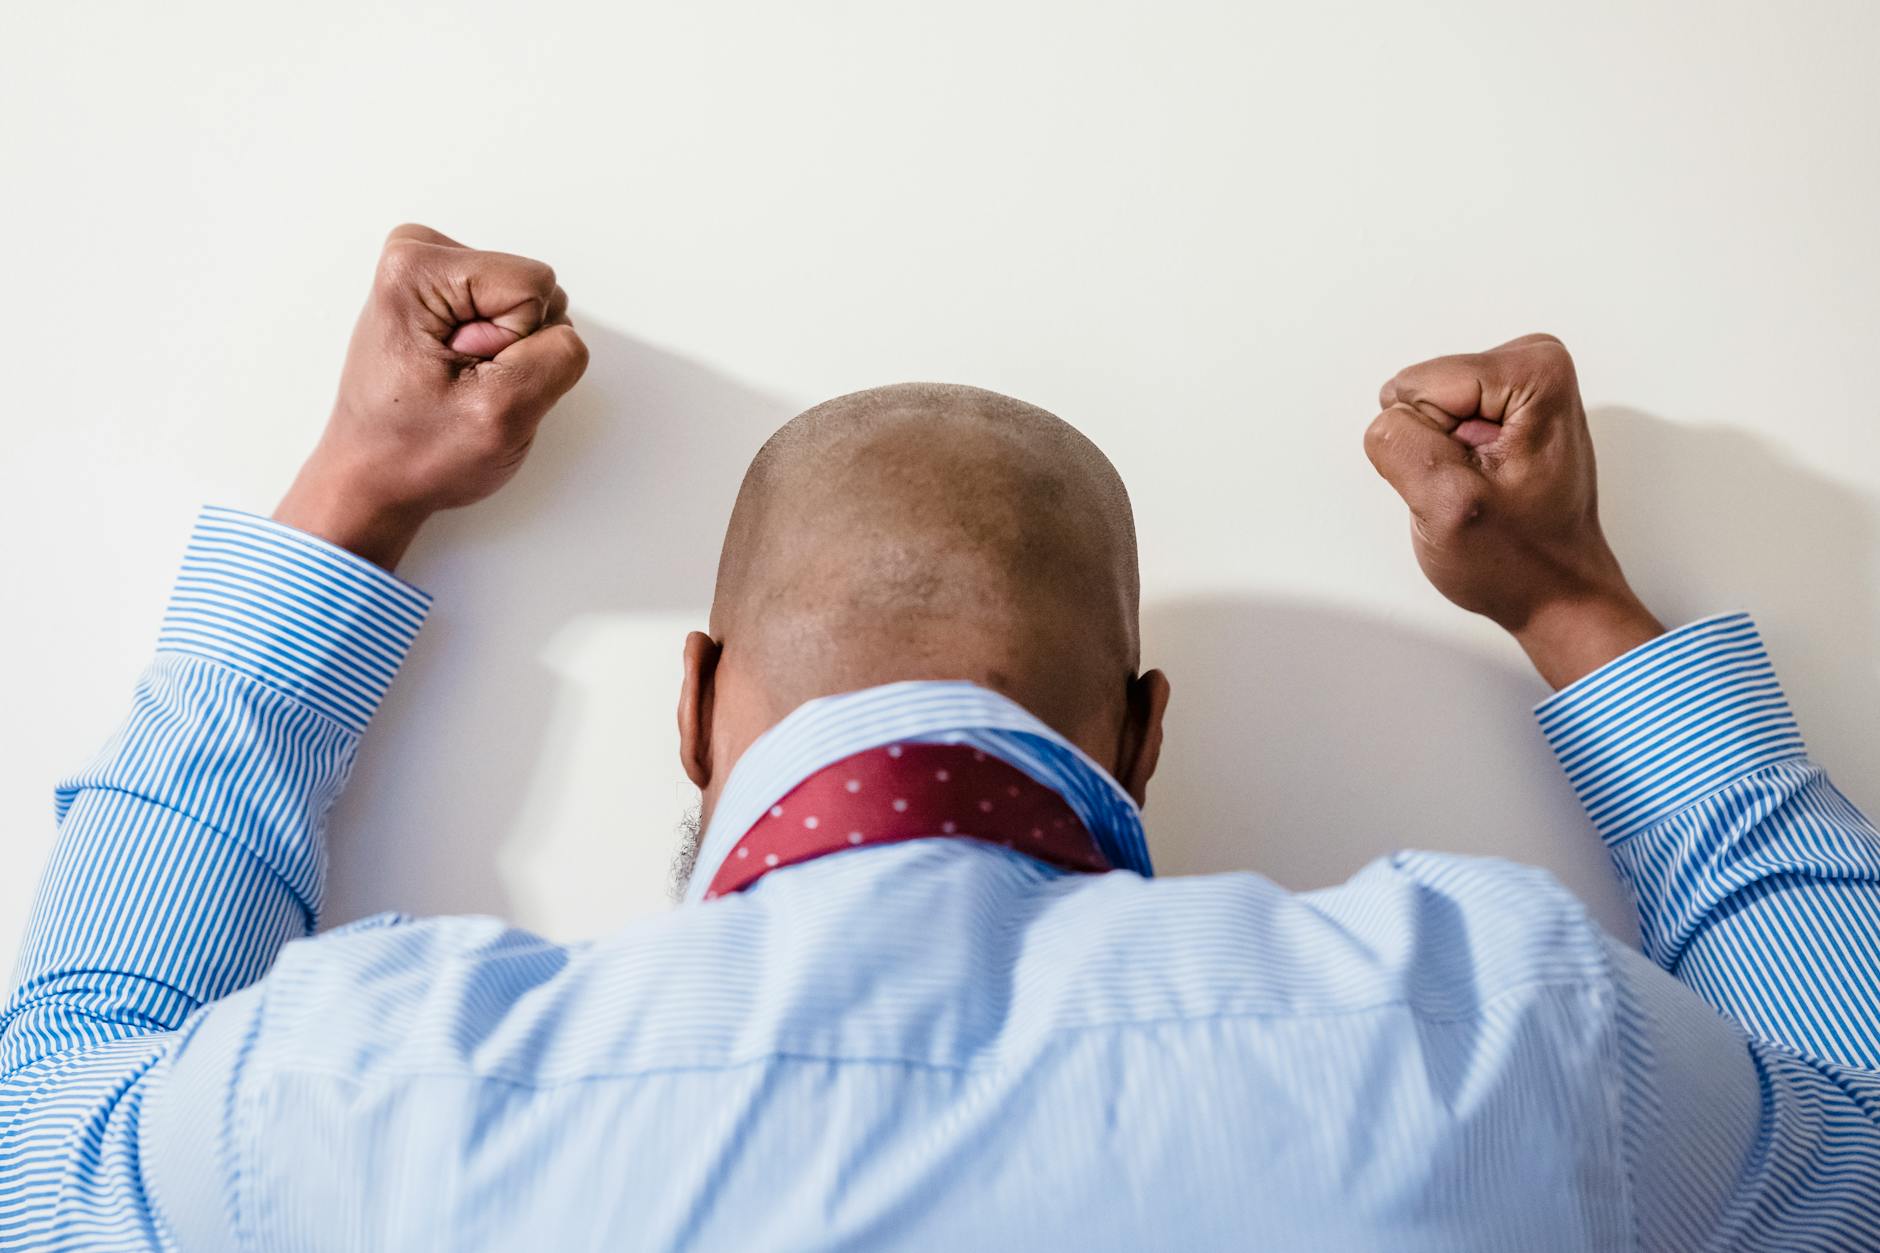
(825, 730)
(745, 711)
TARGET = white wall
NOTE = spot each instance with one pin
(1204, 232)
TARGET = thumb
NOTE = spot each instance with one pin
(544, 364)
(481, 339)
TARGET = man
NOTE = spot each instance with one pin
(924, 992)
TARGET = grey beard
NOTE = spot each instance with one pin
(685, 857)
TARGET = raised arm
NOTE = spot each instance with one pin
(190, 848)
(1757, 881)
(1758, 884)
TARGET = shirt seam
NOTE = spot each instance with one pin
(1289, 1014)
(1619, 1107)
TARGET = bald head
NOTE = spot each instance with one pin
(925, 532)
(932, 531)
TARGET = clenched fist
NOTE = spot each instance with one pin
(1492, 454)
(453, 364)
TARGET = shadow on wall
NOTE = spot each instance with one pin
(620, 508)
(1305, 741)
(1709, 519)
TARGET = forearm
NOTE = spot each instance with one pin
(1569, 639)
(332, 500)
(1757, 883)
(190, 848)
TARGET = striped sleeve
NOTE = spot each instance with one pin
(189, 852)
(314, 623)
(1757, 882)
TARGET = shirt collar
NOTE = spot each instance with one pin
(821, 732)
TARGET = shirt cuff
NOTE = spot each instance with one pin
(306, 618)
(1669, 722)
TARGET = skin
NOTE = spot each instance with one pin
(454, 362)
(1491, 452)
(926, 531)
(930, 531)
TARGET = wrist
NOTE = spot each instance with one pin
(1569, 638)
(342, 510)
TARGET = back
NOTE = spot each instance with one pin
(944, 1044)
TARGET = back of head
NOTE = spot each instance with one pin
(932, 531)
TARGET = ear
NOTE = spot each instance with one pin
(1141, 745)
(695, 708)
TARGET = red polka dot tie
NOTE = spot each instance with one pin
(910, 792)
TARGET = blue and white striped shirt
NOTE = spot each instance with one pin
(940, 1043)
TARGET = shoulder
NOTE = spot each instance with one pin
(1436, 934)
(393, 994)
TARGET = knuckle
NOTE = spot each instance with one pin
(1377, 435)
(1544, 353)
(397, 263)
(494, 440)
(487, 409)
(536, 275)
(1461, 506)
(1413, 384)
(1385, 457)
(1549, 348)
